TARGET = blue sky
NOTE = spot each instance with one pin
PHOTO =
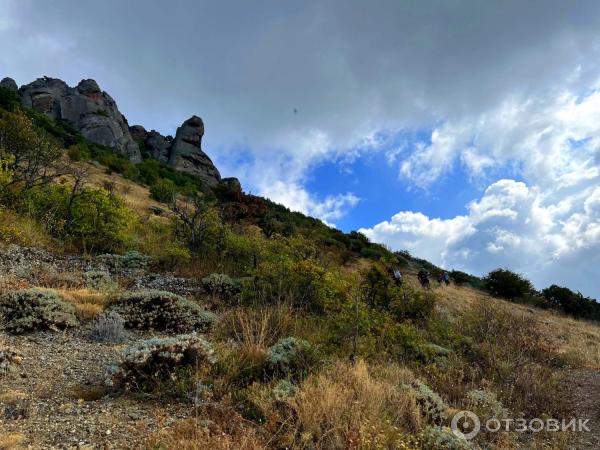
(382, 191)
(467, 132)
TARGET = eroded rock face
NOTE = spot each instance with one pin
(187, 155)
(9, 83)
(93, 112)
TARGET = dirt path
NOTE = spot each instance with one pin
(586, 401)
(59, 384)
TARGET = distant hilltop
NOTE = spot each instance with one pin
(96, 116)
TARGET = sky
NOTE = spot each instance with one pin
(466, 132)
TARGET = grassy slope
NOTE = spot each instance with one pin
(579, 339)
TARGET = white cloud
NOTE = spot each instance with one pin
(511, 225)
(503, 85)
(332, 208)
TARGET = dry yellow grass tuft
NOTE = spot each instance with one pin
(88, 304)
(346, 406)
(11, 441)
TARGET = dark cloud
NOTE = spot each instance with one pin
(350, 67)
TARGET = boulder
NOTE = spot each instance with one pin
(9, 83)
(186, 152)
(90, 110)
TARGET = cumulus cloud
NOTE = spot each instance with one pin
(510, 225)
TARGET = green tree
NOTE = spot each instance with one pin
(30, 156)
(507, 284)
(100, 220)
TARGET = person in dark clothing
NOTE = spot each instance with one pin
(446, 278)
(423, 277)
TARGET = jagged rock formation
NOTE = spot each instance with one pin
(184, 153)
(9, 83)
(93, 112)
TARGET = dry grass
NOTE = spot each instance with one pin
(258, 327)
(578, 341)
(21, 230)
(135, 196)
(224, 430)
(88, 303)
(347, 406)
(11, 441)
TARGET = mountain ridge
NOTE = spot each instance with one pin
(95, 114)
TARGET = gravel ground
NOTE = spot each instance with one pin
(62, 380)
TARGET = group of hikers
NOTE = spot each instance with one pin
(422, 275)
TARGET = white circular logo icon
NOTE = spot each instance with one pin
(465, 425)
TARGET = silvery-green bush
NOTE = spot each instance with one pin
(35, 309)
(221, 285)
(98, 279)
(430, 403)
(149, 364)
(284, 389)
(130, 260)
(442, 438)
(485, 404)
(161, 310)
(291, 357)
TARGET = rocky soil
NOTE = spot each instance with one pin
(62, 401)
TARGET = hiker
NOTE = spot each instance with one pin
(397, 277)
(446, 278)
(423, 277)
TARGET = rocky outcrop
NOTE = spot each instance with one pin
(184, 153)
(93, 112)
(9, 83)
(187, 155)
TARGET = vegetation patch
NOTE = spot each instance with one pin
(150, 364)
(35, 309)
(161, 310)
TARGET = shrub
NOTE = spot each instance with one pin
(485, 404)
(134, 260)
(284, 389)
(97, 279)
(407, 303)
(9, 359)
(442, 438)
(291, 357)
(430, 403)
(460, 278)
(95, 219)
(163, 190)
(148, 365)
(108, 327)
(35, 309)
(507, 284)
(161, 310)
(221, 285)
